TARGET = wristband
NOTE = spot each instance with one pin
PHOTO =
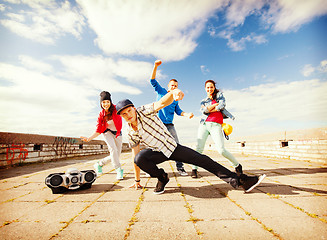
(137, 180)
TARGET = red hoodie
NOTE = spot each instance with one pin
(102, 123)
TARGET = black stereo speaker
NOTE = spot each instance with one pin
(70, 180)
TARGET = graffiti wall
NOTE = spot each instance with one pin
(64, 146)
(16, 153)
(17, 148)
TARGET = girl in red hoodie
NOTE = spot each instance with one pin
(110, 125)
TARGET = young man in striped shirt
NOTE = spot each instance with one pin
(146, 128)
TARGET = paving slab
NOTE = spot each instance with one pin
(291, 203)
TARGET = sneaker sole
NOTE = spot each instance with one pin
(183, 173)
(259, 181)
(157, 193)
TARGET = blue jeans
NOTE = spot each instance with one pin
(173, 132)
(215, 130)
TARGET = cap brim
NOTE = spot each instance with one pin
(129, 105)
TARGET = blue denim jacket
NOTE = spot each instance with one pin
(221, 107)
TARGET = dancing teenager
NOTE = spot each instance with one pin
(109, 124)
(213, 113)
(166, 114)
(146, 128)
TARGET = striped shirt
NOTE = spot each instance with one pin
(151, 132)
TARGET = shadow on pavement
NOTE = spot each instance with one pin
(96, 188)
(277, 171)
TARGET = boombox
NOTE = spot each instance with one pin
(70, 180)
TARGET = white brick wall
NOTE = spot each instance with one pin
(312, 150)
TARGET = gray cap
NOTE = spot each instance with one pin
(122, 104)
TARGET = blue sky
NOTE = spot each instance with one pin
(268, 57)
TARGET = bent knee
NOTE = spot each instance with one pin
(140, 157)
(222, 151)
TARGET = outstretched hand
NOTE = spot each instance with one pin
(84, 139)
(189, 115)
(136, 185)
(177, 94)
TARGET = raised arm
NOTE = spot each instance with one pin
(154, 71)
(155, 84)
(166, 100)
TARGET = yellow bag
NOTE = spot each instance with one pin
(227, 130)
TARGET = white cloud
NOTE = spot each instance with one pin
(323, 66)
(36, 98)
(36, 103)
(290, 15)
(239, 45)
(44, 21)
(276, 16)
(34, 64)
(148, 28)
(301, 102)
(204, 69)
(34, 87)
(99, 72)
(239, 10)
(186, 129)
(2, 7)
(308, 69)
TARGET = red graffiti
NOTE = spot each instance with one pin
(15, 149)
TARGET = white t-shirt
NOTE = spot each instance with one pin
(111, 125)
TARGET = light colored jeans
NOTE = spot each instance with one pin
(215, 130)
(114, 146)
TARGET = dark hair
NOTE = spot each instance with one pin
(104, 95)
(214, 95)
(108, 115)
(174, 80)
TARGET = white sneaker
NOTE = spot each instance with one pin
(182, 172)
(120, 173)
(98, 169)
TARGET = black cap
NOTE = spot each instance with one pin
(104, 95)
(123, 104)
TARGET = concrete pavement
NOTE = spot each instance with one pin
(291, 203)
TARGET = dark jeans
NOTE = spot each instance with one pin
(173, 132)
(147, 160)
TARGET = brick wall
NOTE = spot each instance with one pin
(311, 150)
(16, 148)
(307, 144)
(310, 144)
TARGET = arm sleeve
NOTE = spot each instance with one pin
(221, 100)
(99, 127)
(157, 87)
(178, 110)
(203, 108)
(147, 109)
